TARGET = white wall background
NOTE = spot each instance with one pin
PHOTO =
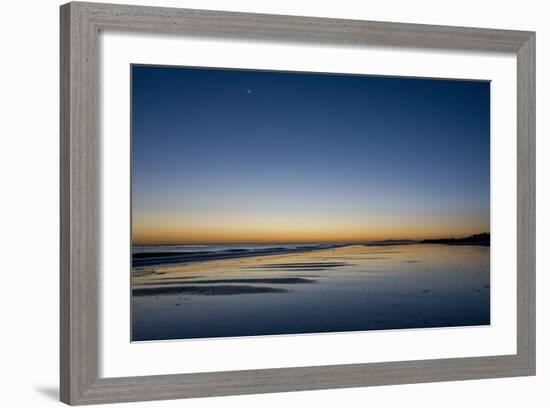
(29, 202)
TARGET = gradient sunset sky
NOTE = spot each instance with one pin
(232, 156)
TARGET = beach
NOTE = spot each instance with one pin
(267, 290)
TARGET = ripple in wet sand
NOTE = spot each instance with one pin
(206, 290)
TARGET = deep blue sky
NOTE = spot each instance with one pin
(231, 155)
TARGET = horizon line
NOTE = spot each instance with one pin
(458, 236)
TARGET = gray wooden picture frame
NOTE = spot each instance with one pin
(80, 235)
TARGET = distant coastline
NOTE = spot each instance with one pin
(483, 239)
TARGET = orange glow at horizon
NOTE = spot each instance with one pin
(163, 229)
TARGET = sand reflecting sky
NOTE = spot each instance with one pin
(341, 289)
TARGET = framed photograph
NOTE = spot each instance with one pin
(261, 203)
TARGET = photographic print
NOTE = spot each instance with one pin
(271, 202)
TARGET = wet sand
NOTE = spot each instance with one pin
(350, 288)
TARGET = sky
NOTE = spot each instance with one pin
(236, 156)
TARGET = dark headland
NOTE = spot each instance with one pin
(483, 239)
